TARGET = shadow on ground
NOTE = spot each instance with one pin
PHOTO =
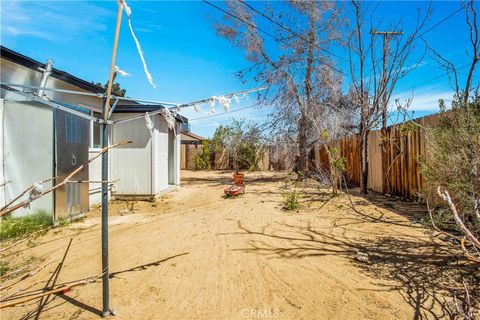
(49, 302)
(423, 272)
(409, 209)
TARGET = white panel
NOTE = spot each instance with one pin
(161, 152)
(95, 174)
(2, 178)
(178, 138)
(28, 150)
(131, 163)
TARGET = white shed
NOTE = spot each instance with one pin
(151, 163)
(38, 142)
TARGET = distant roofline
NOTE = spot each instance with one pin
(30, 63)
(193, 135)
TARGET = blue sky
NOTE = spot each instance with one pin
(187, 60)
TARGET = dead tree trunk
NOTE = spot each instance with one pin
(363, 145)
(302, 144)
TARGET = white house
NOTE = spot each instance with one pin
(47, 133)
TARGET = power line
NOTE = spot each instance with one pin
(436, 25)
(440, 22)
(433, 27)
(266, 32)
(304, 39)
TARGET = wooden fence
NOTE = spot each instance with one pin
(187, 155)
(394, 158)
(219, 160)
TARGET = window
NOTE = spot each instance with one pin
(96, 132)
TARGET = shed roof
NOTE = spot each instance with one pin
(124, 106)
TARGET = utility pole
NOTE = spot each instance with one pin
(385, 143)
(386, 48)
(105, 130)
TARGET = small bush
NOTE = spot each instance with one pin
(202, 160)
(11, 228)
(4, 267)
(291, 200)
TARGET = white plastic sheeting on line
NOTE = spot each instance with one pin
(225, 102)
(34, 193)
(128, 11)
(169, 117)
(149, 123)
(121, 72)
(212, 104)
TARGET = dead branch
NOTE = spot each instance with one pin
(6, 275)
(446, 197)
(24, 192)
(61, 290)
(474, 40)
(31, 273)
(6, 211)
(3, 184)
(92, 181)
(436, 228)
(13, 294)
(467, 253)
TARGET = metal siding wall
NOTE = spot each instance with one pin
(14, 73)
(2, 178)
(178, 138)
(72, 142)
(95, 174)
(131, 163)
(161, 154)
(28, 151)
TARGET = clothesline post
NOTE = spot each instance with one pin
(106, 311)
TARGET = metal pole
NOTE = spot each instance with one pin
(105, 272)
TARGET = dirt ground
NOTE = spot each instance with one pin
(195, 255)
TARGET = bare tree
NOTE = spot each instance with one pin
(292, 63)
(474, 55)
(372, 91)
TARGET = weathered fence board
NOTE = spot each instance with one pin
(394, 158)
(219, 159)
(187, 155)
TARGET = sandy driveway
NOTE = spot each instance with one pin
(195, 255)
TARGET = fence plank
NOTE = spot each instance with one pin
(397, 169)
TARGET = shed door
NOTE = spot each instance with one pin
(72, 137)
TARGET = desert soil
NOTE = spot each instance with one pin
(195, 255)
